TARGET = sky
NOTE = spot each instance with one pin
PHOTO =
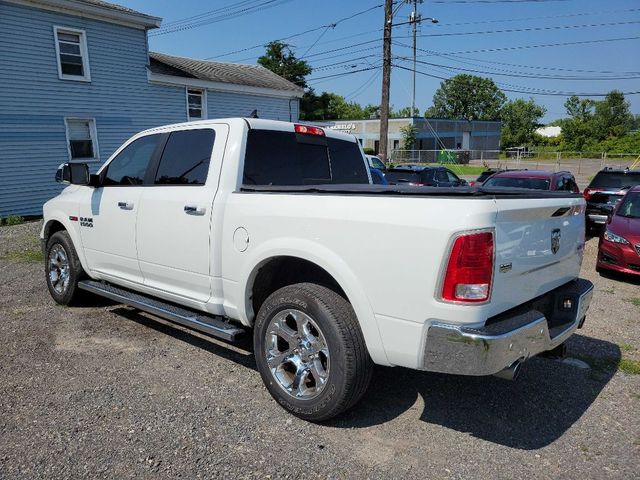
(527, 47)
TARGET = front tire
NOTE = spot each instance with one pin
(310, 351)
(62, 269)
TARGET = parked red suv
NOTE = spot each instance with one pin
(533, 179)
(619, 246)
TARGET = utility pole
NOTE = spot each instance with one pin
(386, 79)
(414, 19)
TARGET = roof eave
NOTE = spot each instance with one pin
(220, 86)
(81, 9)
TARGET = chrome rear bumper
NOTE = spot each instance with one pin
(516, 335)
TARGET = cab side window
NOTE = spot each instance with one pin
(130, 166)
(185, 159)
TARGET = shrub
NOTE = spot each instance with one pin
(13, 220)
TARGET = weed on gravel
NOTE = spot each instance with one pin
(24, 256)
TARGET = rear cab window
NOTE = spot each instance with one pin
(292, 159)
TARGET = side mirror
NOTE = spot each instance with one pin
(73, 173)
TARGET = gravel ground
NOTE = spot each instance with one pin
(101, 391)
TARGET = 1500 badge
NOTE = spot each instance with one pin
(86, 222)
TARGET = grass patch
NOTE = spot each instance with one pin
(631, 367)
(465, 169)
(608, 290)
(605, 364)
(24, 256)
(626, 347)
(635, 301)
(11, 220)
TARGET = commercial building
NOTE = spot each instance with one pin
(481, 138)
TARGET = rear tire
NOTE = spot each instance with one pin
(310, 351)
(63, 270)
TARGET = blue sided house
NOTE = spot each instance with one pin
(77, 80)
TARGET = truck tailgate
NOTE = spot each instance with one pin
(539, 245)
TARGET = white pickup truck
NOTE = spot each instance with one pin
(238, 225)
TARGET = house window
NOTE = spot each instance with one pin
(81, 138)
(396, 144)
(73, 57)
(196, 104)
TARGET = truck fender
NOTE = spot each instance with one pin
(332, 264)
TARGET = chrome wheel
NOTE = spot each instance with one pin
(297, 354)
(58, 269)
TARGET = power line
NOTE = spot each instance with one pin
(204, 14)
(546, 17)
(462, 59)
(344, 74)
(527, 29)
(337, 22)
(522, 47)
(526, 90)
(255, 7)
(497, 1)
(524, 75)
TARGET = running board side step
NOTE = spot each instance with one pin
(215, 326)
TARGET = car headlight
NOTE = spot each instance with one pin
(612, 237)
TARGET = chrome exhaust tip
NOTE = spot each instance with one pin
(511, 372)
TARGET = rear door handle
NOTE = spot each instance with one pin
(125, 205)
(194, 210)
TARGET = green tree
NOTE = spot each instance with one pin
(579, 109)
(520, 118)
(405, 113)
(467, 97)
(409, 133)
(279, 58)
(328, 106)
(578, 129)
(612, 117)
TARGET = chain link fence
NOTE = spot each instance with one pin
(576, 162)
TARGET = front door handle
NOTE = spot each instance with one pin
(194, 210)
(125, 205)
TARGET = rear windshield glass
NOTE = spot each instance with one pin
(403, 176)
(289, 159)
(510, 182)
(615, 180)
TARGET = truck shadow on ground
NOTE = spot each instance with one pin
(527, 414)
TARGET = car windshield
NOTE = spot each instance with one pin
(515, 182)
(615, 180)
(377, 163)
(630, 206)
(484, 175)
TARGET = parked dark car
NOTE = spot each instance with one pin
(534, 179)
(377, 176)
(485, 175)
(423, 176)
(619, 246)
(605, 190)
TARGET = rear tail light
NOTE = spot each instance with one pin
(589, 191)
(470, 269)
(309, 130)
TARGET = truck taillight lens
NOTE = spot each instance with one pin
(590, 191)
(470, 269)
